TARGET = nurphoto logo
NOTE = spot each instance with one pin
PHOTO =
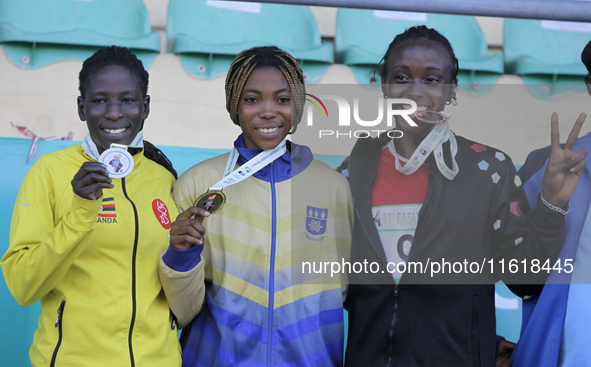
(387, 108)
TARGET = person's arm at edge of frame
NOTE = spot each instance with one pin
(535, 161)
(561, 176)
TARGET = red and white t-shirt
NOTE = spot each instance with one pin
(396, 200)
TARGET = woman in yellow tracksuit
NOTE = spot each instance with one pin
(87, 245)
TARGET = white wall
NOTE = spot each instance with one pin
(188, 111)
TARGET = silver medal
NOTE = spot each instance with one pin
(118, 161)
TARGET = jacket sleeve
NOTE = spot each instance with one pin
(532, 185)
(520, 234)
(182, 271)
(182, 277)
(42, 245)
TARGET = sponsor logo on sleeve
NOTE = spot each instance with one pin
(161, 213)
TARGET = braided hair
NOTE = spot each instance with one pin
(259, 57)
(122, 56)
(420, 33)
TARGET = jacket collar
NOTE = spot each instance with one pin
(295, 160)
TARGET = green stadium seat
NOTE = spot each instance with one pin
(209, 34)
(35, 33)
(362, 37)
(546, 54)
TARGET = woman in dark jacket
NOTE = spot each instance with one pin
(442, 216)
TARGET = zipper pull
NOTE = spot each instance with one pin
(396, 290)
(59, 314)
(173, 324)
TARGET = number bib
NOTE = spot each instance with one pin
(396, 225)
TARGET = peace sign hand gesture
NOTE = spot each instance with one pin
(564, 167)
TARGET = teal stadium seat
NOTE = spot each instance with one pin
(35, 33)
(546, 54)
(362, 37)
(209, 34)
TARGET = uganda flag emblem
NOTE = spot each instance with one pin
(108, 208)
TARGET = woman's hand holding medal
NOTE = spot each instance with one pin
(90, 181)
(187, 230)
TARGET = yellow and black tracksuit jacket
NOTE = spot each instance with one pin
(94, 265)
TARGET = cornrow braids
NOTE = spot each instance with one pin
(259, 57)
(122, 56)
(420, 33)
(113, 55)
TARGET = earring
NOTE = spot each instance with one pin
(385, 96)
(453, 99)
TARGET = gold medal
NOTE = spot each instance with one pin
(213, 201)
(430, 117)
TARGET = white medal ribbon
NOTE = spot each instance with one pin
(431, 144)
(249, 168)
(90, 147)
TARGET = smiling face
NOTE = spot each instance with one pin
(421, 72)
(113, 106)
(264, 110)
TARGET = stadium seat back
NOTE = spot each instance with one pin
(209, 34)
(363, 36)
(546, 54)
(38, 32)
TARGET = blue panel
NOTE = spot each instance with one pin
(508, 307)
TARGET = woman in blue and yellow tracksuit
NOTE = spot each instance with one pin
(86, 245)
(261, 308)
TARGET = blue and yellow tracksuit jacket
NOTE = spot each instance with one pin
(261, 309)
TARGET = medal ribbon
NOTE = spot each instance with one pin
(28, 133)
(90, 147)
(431, 144)
(262, 160)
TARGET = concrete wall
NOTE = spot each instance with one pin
(190, 112)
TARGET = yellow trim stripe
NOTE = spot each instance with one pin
(314, 251)
(241, 287)
(299, 291)
(240, 249)
(246, 216)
